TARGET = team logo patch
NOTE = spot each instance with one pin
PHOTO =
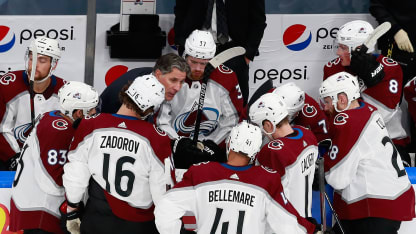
(309, 110)
(7, 78)
(77, 95)
(341, 119)
(22, 132)
(276, 145)
(333, 62)
(60, 124)
(389, 62)
(184, 124)
(159, 131)
(224, 69)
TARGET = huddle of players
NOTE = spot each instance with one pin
(118, 158)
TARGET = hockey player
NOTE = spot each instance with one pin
(303, 110)
(373, 193)
(223, 101)
(170, 69)
(20, 104)
(381, 78)
(232, 197)
(292, 151)
(119, 158)
(37, 189)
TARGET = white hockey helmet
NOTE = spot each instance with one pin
(268, 107)
(341, 82)
(146, 92)
(245, 138)
(293, 97)
(200, 44)
(75, 95)
(45, 46)
(353, 34)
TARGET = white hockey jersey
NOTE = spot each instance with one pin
(227, 199)
(125, 156)
(37, 189)
(365, 169)
(15, 109)
(222, 108)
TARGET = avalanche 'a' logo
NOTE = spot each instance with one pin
(22, 132)
(341, 119)
(7, 39)
(7, 78)
(296, 37)
(184, 124)
(309, 110)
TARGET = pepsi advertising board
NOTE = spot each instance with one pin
(17, 32)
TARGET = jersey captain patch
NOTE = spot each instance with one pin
(7, 78)
(341, 119)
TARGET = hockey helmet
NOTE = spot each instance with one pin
(200, 44)
(75, 95)
(293, 97)
(146, 92)
(354, 34)
(341, 82)
(268, 107)
(245, 138)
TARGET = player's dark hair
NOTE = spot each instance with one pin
(167, 62)
(126, 100)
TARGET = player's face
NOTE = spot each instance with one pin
(328, 107)
(344, 54)
(197, 67)
(172, 81)
(43, 66)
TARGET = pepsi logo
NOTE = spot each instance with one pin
(296, 37)
(7, 39)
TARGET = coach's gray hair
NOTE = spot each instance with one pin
(167, 62)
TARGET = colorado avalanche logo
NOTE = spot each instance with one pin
(225, 69)
(276, 145)
(184, 124)
(159, 131)
(389, 62)
(268, 169)
(333, 62)
(7, 78)
(77, 95)
(60, 124)
(341, 119)
(22, 132)
(309, 110)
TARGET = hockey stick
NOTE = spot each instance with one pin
(375, 35)
(322, 192)
(31, 81)
(211, 66)
(335, 213)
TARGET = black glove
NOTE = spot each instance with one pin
(186, 152)
(11, 163)
(366, 67)
(318, 227)
(212, 152)
(323, 146)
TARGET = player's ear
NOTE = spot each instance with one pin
(78, 114)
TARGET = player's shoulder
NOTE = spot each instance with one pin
(304, 133)
(12, 83)
(353, 118)
(332, 67)
(388, 63)
(225, 77)
(58, 82)
(410, 87)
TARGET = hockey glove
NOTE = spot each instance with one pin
(12, 162)
(324, 146)
(366, 67)
(212, 152)
(184, 152)
(70, 217)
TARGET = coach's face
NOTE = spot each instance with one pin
(172, 81)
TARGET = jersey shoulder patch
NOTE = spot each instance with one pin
(7, 78)
(341, 119)
(275, 145)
